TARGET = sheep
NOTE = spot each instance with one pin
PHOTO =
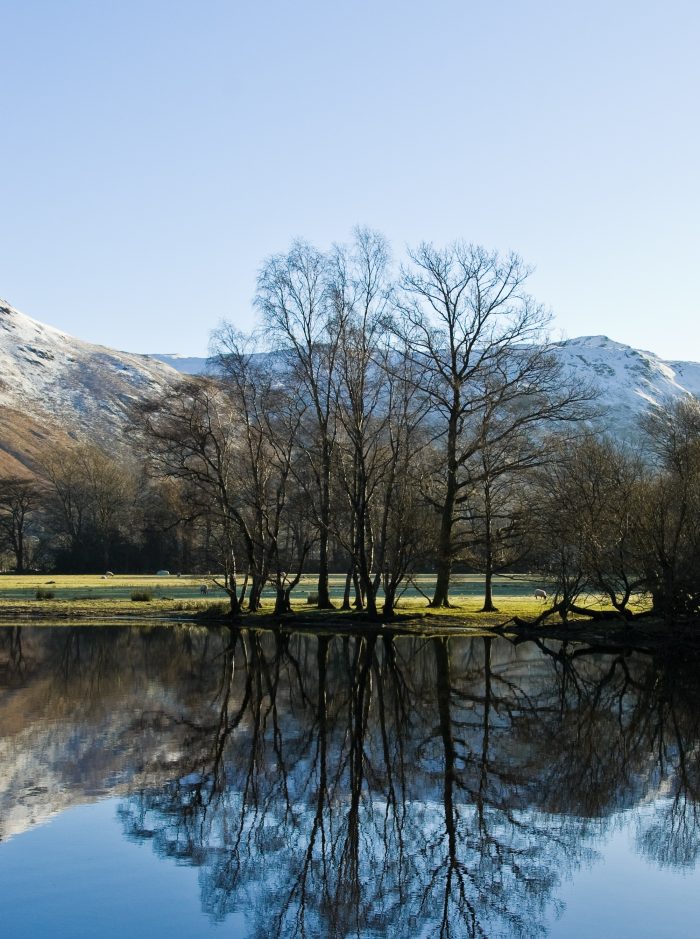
(540, 594)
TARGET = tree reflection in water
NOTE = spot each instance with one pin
(365, 785)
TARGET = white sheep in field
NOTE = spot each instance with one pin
(540, 594)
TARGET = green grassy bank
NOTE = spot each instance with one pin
(96, 597)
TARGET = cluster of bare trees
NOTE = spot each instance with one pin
(87, 511)
(618, 522)
(389, 427)
(383, 424)
(379, 424)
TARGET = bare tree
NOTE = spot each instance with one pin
(612, 480)
(89, 497)
(360, 293)
(492, 515)
(478, 340)
(379, 413)
(191, 434)
(270, 418)
(293, 297)
(531, 409)
(405, 528)
(671, 520)
(232, 438)
(19, 499)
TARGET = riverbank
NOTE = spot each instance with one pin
(198, 597)
(645, 634)
(160, 600)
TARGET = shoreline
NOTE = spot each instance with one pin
(653, 634)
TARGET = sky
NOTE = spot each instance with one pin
(154, 153)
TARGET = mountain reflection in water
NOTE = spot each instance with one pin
(358, 785)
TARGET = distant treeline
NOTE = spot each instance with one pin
(398, 424)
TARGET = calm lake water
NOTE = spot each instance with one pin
(184, 783)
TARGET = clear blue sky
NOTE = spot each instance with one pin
(155, 152)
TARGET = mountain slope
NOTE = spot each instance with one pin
(187, 364)
(55, 388)
(629, 379)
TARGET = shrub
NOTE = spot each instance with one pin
(142, 596)
(214, 611)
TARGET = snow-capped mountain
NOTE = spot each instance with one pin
(187, 364)
(628, 379)
(54, 388)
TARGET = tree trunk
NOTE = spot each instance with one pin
(371, 602)
(20, 552)
(359, 603)
(364, 563)
(324, 596)
(346, 592)
(444, 561)
(235, 607)
(444, 571)
(256, 588)
(488, 606)
(282, 602)
(389, 603)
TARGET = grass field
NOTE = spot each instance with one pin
(95, 595)
(466, 588)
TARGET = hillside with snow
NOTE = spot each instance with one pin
(628, 379)
(187, 364)
(55, 388)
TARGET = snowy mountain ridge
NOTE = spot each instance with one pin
(628, 379)
(55, 388)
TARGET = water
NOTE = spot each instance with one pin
(185, 783)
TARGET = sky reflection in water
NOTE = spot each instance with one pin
(259, 785)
